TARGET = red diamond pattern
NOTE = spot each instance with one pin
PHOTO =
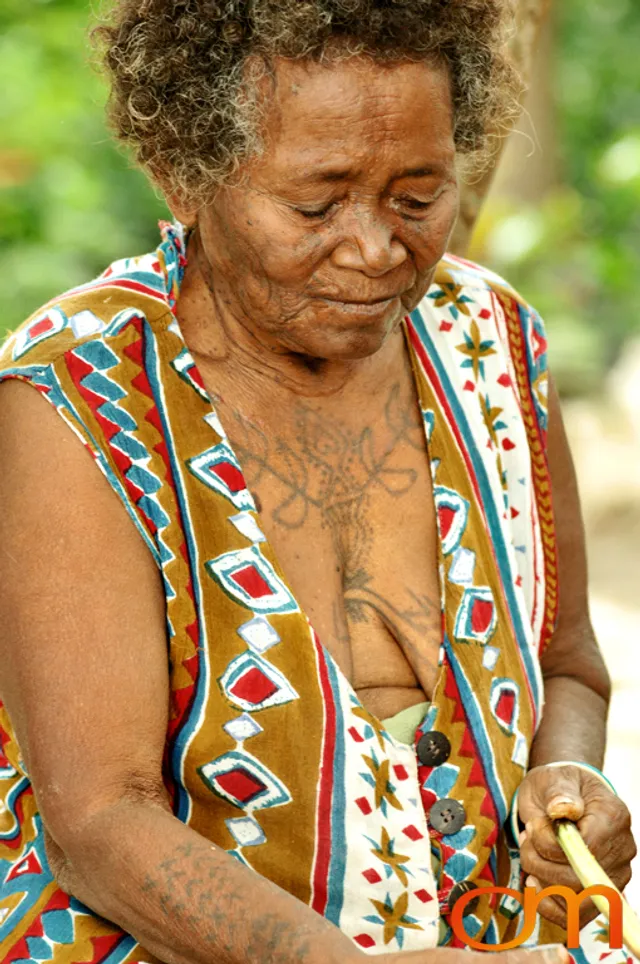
(241, 784)
(364, 805)
(364, 940)
(481, 615)
(423, 895)
(412, 832)
(446, 515)
(230, 475)
(372, 876)
(40, 327)
(253, 686)
(400, 772)
(505, 706)
(252, 582)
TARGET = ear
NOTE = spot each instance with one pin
(181, 210)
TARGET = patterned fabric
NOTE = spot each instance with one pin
(269, 752)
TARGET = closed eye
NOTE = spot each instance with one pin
(414, 204)
(318, 213)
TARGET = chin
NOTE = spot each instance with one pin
(340, 338)
(349, 345)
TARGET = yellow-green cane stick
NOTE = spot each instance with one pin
(589, 873)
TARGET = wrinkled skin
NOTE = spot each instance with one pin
(354, 200)
(604, 822)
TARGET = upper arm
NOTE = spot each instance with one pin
(573, 650)
(83, 648)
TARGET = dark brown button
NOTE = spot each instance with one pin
(447, 816)
(463, 888)
(433, 749)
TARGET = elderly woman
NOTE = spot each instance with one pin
(275, 666)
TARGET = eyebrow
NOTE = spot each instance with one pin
(336, 175)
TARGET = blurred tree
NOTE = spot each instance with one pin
(571, 244)
(69, 202)
(531, 16)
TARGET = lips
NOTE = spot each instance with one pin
(363, 301)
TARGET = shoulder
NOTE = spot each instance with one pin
(474, 279)
(472, 320)
(476, 296)
(130, 286)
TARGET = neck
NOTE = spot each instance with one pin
(216, 338)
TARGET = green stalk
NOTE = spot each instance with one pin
(589, 872)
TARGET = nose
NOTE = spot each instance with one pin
(368, 245)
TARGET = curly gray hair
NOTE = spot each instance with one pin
(184, 73)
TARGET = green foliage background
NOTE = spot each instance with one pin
(576, 256)
(70, 202)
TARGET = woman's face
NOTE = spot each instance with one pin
(336, 231)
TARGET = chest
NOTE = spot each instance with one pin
(346, 502)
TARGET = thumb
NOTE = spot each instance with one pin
(563, 799)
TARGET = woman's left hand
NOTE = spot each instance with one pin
(551, 793)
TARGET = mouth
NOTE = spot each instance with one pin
(373, 306)
(364, 301)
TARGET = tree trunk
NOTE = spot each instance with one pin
(530, 19)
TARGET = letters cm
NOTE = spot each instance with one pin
(530, 904)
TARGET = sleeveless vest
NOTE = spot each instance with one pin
(269, 752)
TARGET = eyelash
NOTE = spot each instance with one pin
(416, 205)
(412, 203)
(315, 214)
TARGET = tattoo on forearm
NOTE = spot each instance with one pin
(196, 895)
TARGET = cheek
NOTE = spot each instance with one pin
(279, 249)
(290, 257)
(428, 239)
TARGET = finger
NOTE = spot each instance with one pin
(542, 836)
(538, 886)
(563, 807)
(563, 798)
(607, 826)
(622, 878)
(554, 792)
(547, 870)
(554, 906)
(554, 909)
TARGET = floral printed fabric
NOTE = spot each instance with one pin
(269, 752)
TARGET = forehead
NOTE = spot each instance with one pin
(354, 111)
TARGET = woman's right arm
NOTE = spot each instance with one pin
(85, 683)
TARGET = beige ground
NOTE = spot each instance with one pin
(606, 445)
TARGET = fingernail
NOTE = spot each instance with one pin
(522, 836)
